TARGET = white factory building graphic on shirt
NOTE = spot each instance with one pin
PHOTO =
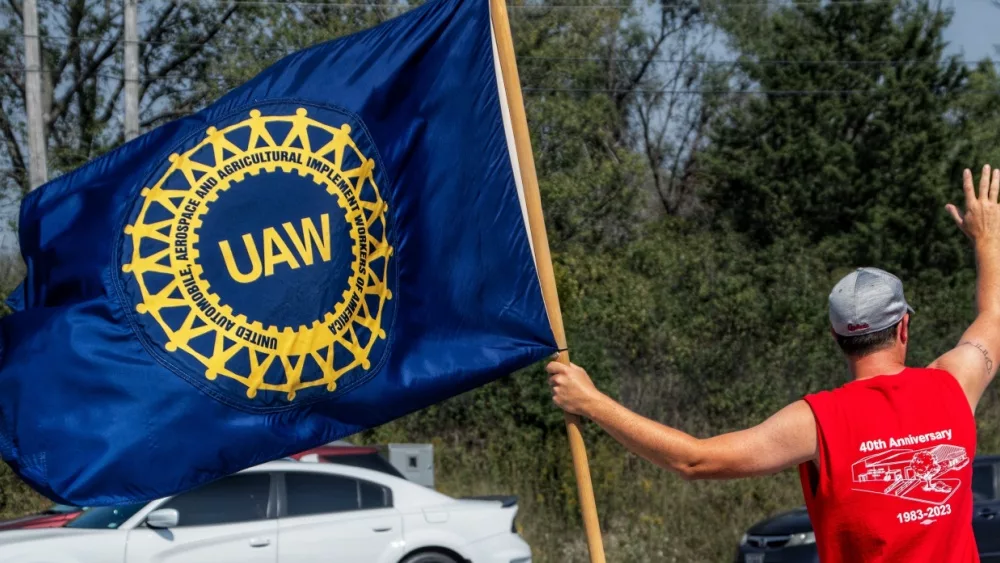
(925, 475)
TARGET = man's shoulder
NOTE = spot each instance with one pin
(880, 386)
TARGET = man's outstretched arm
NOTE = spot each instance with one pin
(974, 361)
(785, 440)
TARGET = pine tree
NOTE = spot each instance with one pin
(846, 138)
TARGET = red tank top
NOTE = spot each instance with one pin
(893, 479)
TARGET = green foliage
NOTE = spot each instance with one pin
(862, 167)
(15, 497)
(976, 114)
(11, 274)
(695, 238)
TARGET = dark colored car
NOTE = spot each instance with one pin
(788, 537)
(55, 516)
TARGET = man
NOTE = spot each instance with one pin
(885, 460)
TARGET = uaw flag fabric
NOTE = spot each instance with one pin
(338, 242)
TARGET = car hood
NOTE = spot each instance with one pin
(49, 535)
(791, 522)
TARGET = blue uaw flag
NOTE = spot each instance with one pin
(338, 242)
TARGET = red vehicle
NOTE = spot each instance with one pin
(366, 457)
(54, 517)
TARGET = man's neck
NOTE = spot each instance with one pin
(874, 365)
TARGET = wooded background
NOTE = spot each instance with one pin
(708, 169)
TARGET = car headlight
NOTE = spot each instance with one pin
(743, 540)
(801, 539)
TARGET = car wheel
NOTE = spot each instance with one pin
(430, 557)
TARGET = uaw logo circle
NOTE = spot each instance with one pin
(259, 259)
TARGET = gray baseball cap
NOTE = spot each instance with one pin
(867, 300)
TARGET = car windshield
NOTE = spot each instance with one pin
(104, 517)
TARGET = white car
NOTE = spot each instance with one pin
(286, 512)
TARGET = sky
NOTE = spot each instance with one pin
(975, 29)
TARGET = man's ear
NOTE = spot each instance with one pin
(903, 331)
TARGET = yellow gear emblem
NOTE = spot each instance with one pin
(223, 159)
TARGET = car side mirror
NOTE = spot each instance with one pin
(163, 518)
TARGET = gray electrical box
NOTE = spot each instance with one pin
(414, 461)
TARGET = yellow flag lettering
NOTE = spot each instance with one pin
(234, 271)
(273, 243)
(304, 244)
(277, 251)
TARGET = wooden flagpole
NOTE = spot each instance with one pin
(543, 262)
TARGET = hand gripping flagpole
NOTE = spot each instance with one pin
(543, 262)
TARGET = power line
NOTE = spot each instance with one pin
(51, 36)
(523, 7)
(775, 62)
(22, 69)
(542, 7)
(678, 92)
(534, 6)
(783, 93)
(683, 61)
(640, 60)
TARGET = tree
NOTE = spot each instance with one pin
(11, 273)
(845, 137)
(977, 117)
(591, 75)
(82, 74)
(613, 117)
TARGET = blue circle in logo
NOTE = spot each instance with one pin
(277, 248)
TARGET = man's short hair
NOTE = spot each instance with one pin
(865, 344)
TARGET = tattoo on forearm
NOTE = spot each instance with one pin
(986, 355)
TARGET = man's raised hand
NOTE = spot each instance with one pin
(981, 220)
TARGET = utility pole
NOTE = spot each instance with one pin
(131, 70)
(37, 171)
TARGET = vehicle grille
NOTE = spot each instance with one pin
(768, 542)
